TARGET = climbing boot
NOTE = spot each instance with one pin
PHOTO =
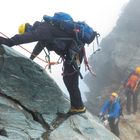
(73, 111)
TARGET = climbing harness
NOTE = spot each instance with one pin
(47, 58)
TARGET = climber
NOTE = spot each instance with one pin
(131, 86)
(111, 111)
(46, 33)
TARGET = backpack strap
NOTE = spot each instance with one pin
(135, 88)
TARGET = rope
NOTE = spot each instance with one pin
(87, 64)
(49, 63)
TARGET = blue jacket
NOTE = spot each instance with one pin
(111, 108)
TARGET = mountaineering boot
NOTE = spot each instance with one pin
(73, 111)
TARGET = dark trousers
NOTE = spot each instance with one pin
(130, 94)
(44, 32)
(114, 126)
(71, 80)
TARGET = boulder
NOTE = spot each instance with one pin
(30, 101)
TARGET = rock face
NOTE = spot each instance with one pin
(82, 127)
(30, 100)
(130, 127)
(120, 55)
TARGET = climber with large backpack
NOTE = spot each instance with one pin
(131, 86)
(69, 45)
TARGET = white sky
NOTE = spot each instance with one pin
(99, 14)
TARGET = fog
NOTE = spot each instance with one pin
(101, 15)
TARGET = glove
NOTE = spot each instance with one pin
(116, 121)
(105, 122)
(100, 114)
(106, 116)
(6, 41)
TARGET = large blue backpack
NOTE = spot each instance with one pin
(80, 30)
(59, 16)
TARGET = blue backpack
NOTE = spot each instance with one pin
(80, 30)
(59, 16)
